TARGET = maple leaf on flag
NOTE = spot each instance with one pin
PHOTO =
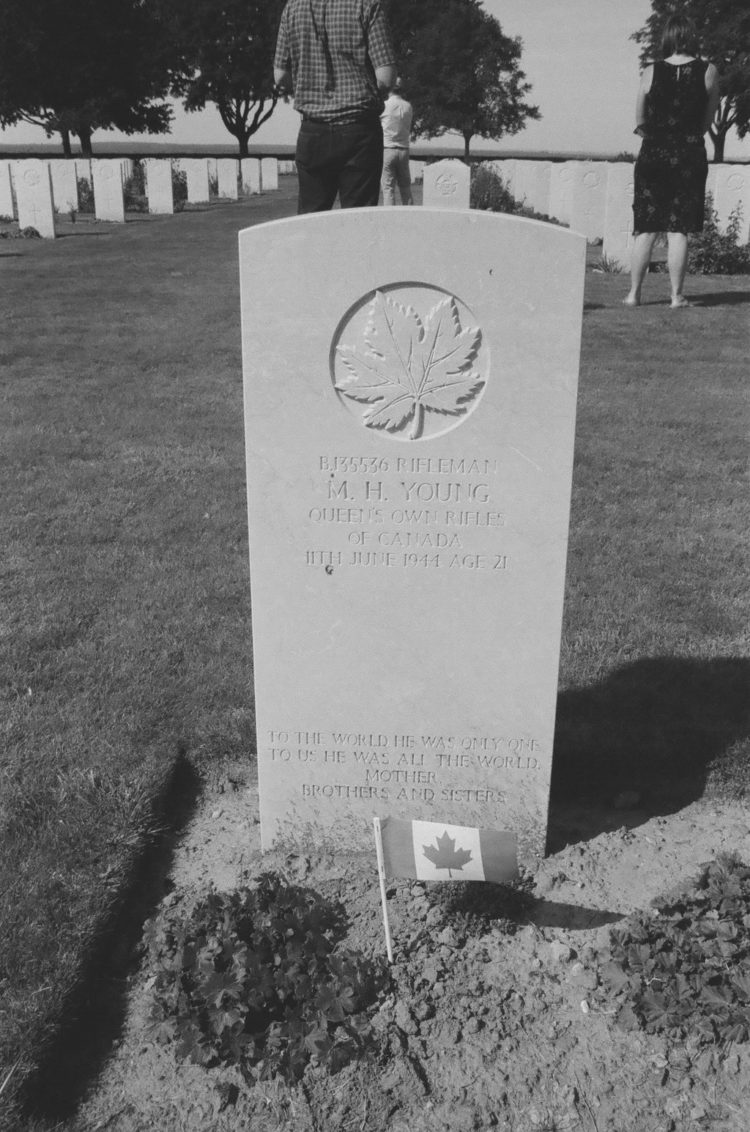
(446, 856)
(411, 366)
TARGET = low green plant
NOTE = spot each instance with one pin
(685, 969)
(179, 189)
(134, 189)
(490, 193)
(608, 265)
(85, 195)
(252, 978)
(713, 252)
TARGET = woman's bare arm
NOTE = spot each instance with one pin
(712, 89)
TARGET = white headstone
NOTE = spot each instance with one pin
(417, 171)
(227, 169)
(409, 424)
(711, 181)
(250, 174)
(506, 169)
(588, 199)
(269, 174)
(159, 185)
(561, 189)
(732, 191)
(196, 176)
(617, 241)
(33, 187)
(109, 201)
(522, 180)
(446, 184)
(536, 185)
(6, 191)
(64, 184)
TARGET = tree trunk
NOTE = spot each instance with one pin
(84, 137)
(719, 140)
(244, 151)
(467, 142)
(65, 135)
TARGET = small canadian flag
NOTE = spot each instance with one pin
(442, 851)
(430, 850)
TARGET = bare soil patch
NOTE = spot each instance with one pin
(494, 1019)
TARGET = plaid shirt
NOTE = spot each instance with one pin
(332, 48)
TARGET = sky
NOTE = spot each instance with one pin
(577, 55)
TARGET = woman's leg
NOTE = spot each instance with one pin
(644, 243)
(677, 257)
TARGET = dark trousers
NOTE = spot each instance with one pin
(339, 160)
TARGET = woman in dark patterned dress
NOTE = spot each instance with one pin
(677, 100)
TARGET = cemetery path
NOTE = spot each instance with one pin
(494, 1019)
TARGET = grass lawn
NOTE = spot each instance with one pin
(126, 667)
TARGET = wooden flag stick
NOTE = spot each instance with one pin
(383, 898)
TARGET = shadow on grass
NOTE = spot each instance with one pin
(93, 1013)
(651, 738)
(720, 298)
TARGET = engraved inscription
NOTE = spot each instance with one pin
(446, 184)
(410, 512)
(408, 361)
(401, 767)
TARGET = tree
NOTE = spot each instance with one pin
(75, 66)
(724, 32)
(460, 71)
(226, 52)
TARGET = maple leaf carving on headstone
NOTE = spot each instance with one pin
(446, 856)
(410, 367)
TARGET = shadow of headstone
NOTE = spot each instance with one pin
(647, 740)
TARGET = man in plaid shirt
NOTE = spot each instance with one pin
(337, 57)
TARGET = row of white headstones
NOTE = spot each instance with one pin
(34, 190)
(592, 197)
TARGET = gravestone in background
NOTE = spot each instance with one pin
(269, 174)
(159, 185)
(416, 168)
(409, 420)
(711, 181)
(522, 179)
(196, 177)
(250, 174)
(561, 189)
(536, 185)
(227, 170)
(446, 184)
(64, 184)
(618, 240)
(506, 170)
(587, 200)
(732, 190)
(6, 191)
(109, 198)
(33, 188)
